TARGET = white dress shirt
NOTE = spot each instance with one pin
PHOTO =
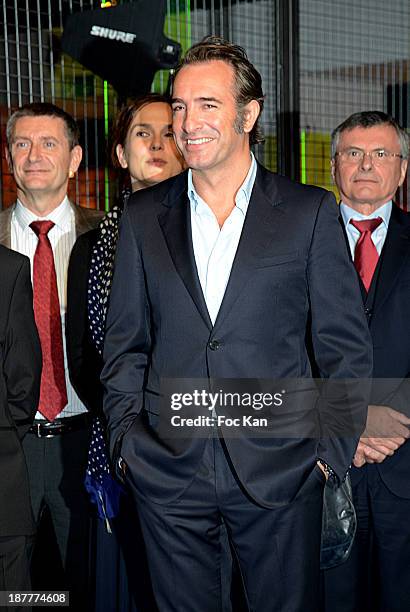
(62, 237)
(353, 234)
(214, 247)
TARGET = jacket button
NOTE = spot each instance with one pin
(368, 312)
(214, 345)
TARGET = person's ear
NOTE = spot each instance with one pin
(76, 156)
(9, 159)
(333, 169)
(403, 171)
(250, 114)
(120, 152)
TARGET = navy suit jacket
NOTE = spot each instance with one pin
(292, 289)
(388, 309)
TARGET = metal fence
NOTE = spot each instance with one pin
(320, 61)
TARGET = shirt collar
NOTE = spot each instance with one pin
(349, 213)
(243, 196)
(61, 216)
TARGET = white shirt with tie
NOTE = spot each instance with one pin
(353, 234)
(62, 238)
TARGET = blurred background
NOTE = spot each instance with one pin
(320, 61)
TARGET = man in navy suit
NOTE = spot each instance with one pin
(229, 272)
(369, 162)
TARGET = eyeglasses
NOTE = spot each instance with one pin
(379, 157)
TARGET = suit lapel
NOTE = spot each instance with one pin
(5, 226)
(84, 221)
(175, 222)
(396, 246)
(257, 235)
(396, 252)
(368, 297)
(363, 291)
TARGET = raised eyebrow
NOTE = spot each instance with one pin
(27, 139)
(200, 99)
(380, 148)
(17, 137)
(141, 125)
(47, 138)
(203, 99)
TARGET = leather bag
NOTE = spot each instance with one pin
(338, 523)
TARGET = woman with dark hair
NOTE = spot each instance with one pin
(143, 148)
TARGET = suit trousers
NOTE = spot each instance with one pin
(376, 577)
(56, 467)
(277, 549)
(14, 566)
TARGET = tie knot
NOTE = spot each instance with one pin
(41, 228)
(367, 225)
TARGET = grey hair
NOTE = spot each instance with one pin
(368, 119)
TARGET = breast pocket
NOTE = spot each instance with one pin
(277, 260)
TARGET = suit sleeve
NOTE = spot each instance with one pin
(22, 358)
(340, 339)
(127, 339)
(400, 398)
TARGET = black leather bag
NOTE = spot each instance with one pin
(338, 523)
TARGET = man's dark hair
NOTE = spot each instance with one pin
(368, 119)
(44, 109)
(248, 81)
(124, 120)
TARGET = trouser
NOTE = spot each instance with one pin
(277, 549)
(56, 468)
(14, 567)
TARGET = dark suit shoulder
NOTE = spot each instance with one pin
(15, 272)
(85, 243)
(165, 192)
(400, 215)
(11, 259)
(275, 187)
(12, 266)
(271, 182)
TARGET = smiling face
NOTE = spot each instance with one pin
(206, 125)
(149, 153)
(41, 161)
(365, 185)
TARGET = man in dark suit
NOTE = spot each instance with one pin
(43, 153)
(228, 272)
(20, 372)
(369, 162)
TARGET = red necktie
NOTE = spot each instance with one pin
(365, 254)
(53, 391)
